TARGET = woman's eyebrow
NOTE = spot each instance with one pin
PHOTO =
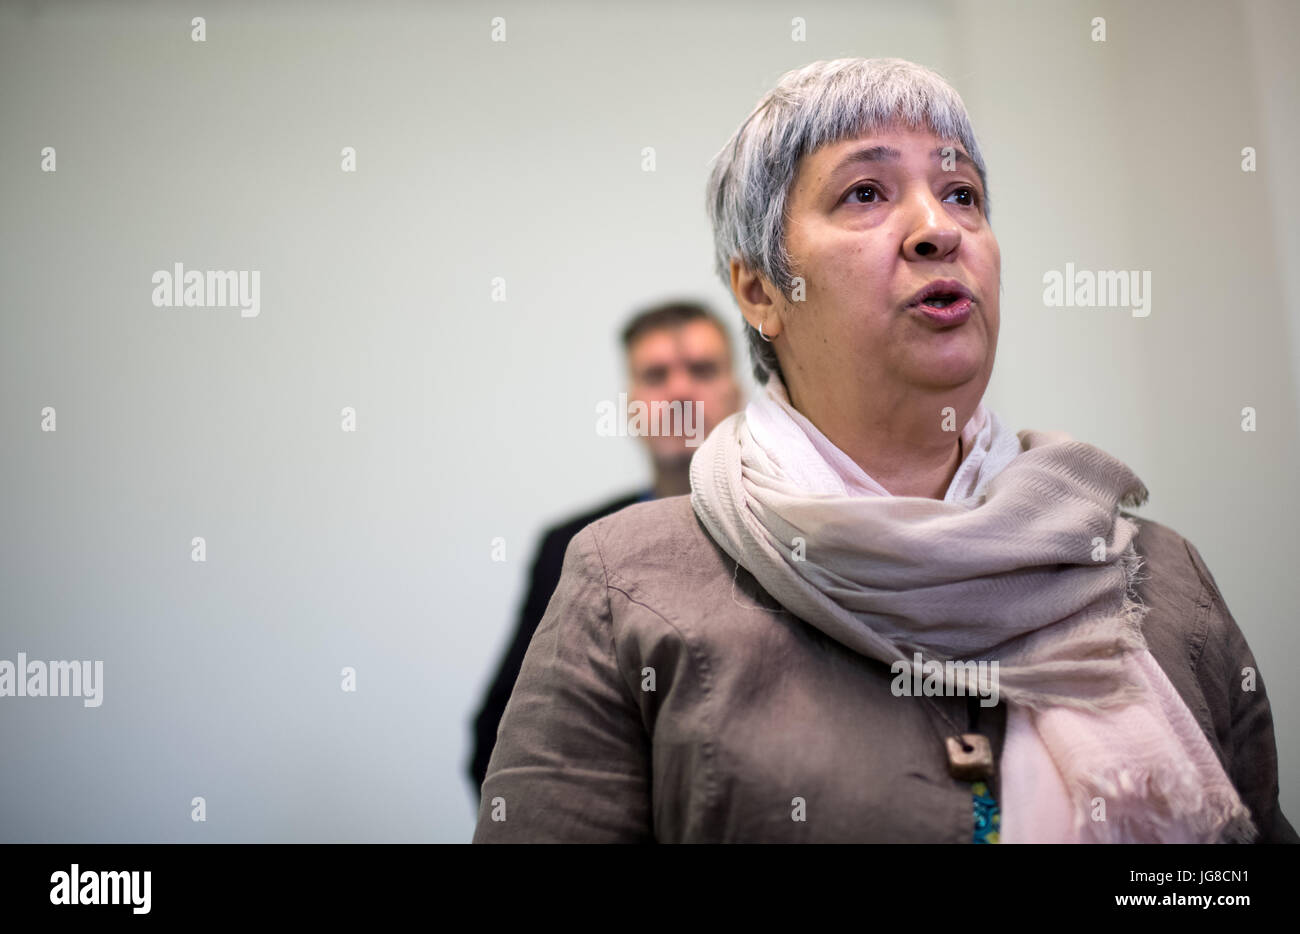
(890, 154)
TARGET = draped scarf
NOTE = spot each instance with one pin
(1026, 561)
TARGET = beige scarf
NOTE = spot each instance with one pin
(1025, 562)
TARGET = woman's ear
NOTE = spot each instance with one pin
(756, 298)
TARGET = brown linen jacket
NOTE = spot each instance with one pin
(756, 718)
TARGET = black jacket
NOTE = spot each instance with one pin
(545, 575)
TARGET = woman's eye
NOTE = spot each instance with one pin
(969, 193)
(852, 196)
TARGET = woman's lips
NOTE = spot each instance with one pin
(951, 316)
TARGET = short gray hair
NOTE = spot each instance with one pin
(820, 103)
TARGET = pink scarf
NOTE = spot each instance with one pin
(1099, 746)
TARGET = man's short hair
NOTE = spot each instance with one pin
(672, 315)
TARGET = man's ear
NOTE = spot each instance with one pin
(756, 298)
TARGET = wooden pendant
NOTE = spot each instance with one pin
(970, 757)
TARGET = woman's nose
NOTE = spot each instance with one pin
(933, 235)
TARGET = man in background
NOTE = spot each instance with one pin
(676, 352)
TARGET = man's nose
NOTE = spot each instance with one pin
(680, 386)
(933, 233)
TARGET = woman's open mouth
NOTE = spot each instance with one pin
(945, 311)
(945, 302)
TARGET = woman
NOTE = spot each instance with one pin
(880, 615)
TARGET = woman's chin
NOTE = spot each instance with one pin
(954, 367)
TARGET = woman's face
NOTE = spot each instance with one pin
(872, 221)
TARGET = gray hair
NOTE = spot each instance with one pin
(821, 103)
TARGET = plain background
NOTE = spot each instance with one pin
(523, 160)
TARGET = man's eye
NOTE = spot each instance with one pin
(852, 196)
(704, 371)
(969, 194)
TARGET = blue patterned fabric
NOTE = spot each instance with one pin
(988, 817)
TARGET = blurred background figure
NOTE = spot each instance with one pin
(676, 352)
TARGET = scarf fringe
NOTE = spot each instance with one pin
(1167, 805)
(1158, 807)
(1130, 638)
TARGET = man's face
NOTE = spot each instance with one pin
(688, 363)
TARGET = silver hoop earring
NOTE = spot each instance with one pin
(761, 334)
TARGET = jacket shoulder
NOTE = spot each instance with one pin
(659, 536)
(1158, 542)
(557, 536)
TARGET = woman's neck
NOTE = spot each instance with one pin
(911, 450)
